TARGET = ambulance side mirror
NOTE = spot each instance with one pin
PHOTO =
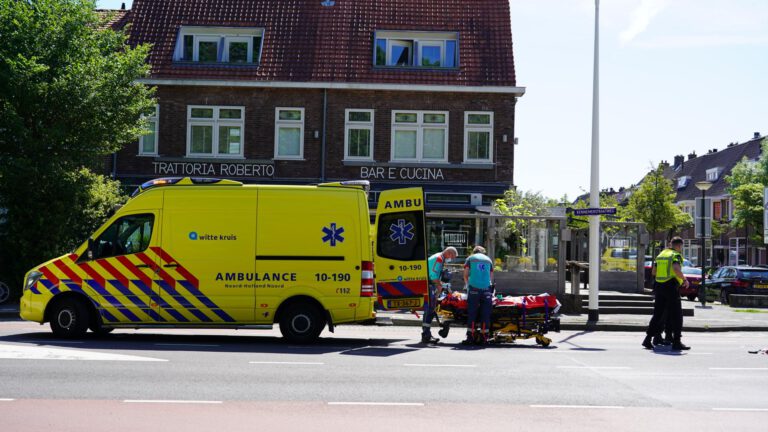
(90, 249)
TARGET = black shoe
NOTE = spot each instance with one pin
(678, 346)
(647, 343)
(657, 340)
(429, 340)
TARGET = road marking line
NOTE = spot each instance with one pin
(184, 344)
(595, 367)
(378, 403)
(438, 365)
(171, 401)
(579, 406)
(740, 409)
(737, 369)
(6, 400)
(286, 363)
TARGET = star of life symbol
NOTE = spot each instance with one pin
(333, 234)
(401, 232)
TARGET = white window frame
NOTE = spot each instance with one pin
(439, 43)
(349, 124)
(478, 128)
(196, 47)
(713, 174)
(215, 122)
(419, 127)
(241, 39)
(416, 39)
(156, 118)
(223, 36)
(289, 123)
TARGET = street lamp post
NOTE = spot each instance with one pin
(703, 186)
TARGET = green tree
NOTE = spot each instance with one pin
(745, 185)
(68, 97)
(517, 203)
(653, 203)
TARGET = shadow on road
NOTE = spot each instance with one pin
(215, 343)
(576, 347)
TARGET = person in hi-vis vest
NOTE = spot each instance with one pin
(669, 279)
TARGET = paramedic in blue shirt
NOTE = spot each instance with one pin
(478, 278)
(435, 265)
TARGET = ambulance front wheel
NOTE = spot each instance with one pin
(69, 319)
(301, 323)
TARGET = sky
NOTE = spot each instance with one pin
(676, 76)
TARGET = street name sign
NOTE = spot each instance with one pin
(594, 211)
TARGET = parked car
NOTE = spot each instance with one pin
(693, 275)
(730, 280)
(648, 267)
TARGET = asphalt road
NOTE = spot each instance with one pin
(375, 378)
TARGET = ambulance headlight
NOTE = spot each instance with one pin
(32, 279)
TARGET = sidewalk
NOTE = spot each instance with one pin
(712, 318)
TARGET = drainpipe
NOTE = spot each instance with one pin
(322, 142)
(114, 165)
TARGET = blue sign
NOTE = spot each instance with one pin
(594, 211)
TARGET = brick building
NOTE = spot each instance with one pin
(398, 92)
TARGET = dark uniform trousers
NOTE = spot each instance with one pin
(667, 305)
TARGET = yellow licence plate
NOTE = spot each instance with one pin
(760, 286)
(404, 303)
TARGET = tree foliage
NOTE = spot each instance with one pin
(653, 203)
(745, 185)
(68, 97)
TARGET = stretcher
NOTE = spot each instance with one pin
(512, 318)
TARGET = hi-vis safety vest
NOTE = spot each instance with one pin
(664, 263)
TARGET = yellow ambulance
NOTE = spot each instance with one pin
(210, 253)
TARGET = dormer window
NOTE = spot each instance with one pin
(219, 45)
(416, 49)
(683, 181)
(714, 173)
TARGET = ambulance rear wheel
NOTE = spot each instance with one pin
(301, 323)
(69, 319)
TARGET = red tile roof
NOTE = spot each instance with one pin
(116, 18)
(307, 42)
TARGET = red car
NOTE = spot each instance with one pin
(693, 275)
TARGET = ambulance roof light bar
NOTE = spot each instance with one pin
(362, 184)
(183, 181)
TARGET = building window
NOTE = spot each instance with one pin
(682, 182)
(289, 133)
(219, 45)
(717, 210)
(358, 134)
(420, 136)
(478, 137)
(713, 174)
(214, 131)
(416, 49)
(148, 141)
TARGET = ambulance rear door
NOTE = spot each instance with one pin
(400, 249)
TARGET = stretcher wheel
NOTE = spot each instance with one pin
(543, 341)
